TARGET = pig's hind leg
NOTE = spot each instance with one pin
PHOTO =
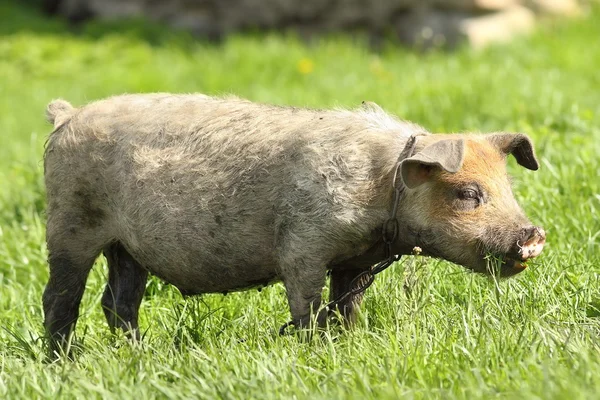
(73, 245)
(124, 290)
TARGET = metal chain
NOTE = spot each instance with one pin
(389, 235)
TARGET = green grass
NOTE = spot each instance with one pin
(457, 335)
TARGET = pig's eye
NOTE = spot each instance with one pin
(467, 194)
(469, 197)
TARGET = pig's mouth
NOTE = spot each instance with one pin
(504, 266)
(500, 265)
(515, 261)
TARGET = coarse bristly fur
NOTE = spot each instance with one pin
(219, 194)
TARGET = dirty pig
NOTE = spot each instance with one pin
(222, 194)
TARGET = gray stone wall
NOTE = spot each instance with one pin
(415, 22)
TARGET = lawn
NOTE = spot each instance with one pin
(454, 334)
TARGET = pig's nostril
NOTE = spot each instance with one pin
(541, 233)
(532, 233)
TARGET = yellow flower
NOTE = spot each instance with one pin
(306, 66)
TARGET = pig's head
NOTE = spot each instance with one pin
(459, 205)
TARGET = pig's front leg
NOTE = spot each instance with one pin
(304, 285)
(340, 283)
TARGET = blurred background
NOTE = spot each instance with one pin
(413, 22)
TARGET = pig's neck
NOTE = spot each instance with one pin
(381, 205)
(375, 251)
(407, 238)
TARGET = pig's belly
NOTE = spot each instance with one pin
(219, 283)
(210, 270)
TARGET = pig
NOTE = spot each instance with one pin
(223, 194)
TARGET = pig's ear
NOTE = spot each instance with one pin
(517, 144)
(447, 154)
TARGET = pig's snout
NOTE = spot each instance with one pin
(529, 245)
(531, 242)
